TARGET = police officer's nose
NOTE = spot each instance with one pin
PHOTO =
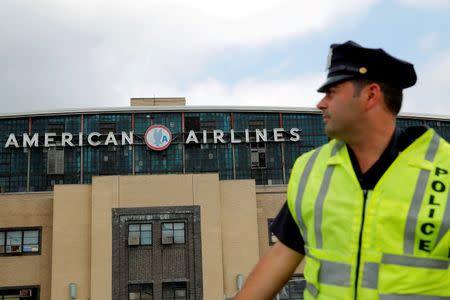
(321, 104)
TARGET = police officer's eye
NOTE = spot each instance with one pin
(331, 91)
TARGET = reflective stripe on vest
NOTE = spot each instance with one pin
(312, 289)
(318, 209)
(411, 223)
(335, 273)
(370, 274)
(320, 197)
(301, 190)
(416, 262)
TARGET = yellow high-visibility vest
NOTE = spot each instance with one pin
(389, 243)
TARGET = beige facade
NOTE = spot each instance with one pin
(77, 230)
(180, 101)
(28, 210)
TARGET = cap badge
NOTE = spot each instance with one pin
(363, 70)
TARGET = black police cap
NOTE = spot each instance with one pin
(352, 61)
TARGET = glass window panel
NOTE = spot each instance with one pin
(134, 234)
(178, 226)
(14, 238)
(14, 241)
(32, 240)
(180, 294)
(31, 248)
(146, 296)
(179, 236)
(146, 234)
(146, 292)
(167, 226)
(133, 227)
(31, 233)
(167, 233)
(146, 238)
(31, 237)
(133, 292)
(133, 296)
(146, 227)
(174, 290)
(2, 242)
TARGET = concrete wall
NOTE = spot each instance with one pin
(269, 201)
(180, 101)
(234, 232)
(28, 210)
(71, 240)
(147, 191)
(239, 231)
(86, 211)
(105, 195)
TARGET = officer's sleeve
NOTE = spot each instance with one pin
(287, 231)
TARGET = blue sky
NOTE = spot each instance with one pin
(58, 55)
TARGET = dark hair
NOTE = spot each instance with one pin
(392, 96)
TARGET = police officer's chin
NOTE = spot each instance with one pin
(330, 132)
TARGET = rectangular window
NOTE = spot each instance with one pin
(255, 124)
(293, 288)
(173, 233)
(2, 242)
(19, 241)
(258, 155)
(209, 126)
(25, 293)
(175, 291)
(140, 234)
(272, 237)
(58, 129)
(192, 123)
(140, 291)
(55, 161)
(31, 241)
(106, 128)
(13, 241)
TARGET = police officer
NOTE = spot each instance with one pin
(370, 210)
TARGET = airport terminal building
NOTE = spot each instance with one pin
(158, 200)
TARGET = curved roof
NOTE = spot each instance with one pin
(215, 108)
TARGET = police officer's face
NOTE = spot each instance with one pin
(341, 110)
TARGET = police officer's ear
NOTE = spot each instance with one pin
(372, 96)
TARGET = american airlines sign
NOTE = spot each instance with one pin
(157, 137)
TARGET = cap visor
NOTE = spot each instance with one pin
(333, 81)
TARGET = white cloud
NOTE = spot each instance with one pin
(430, 93)
(426, 3)
(208, 22)
(295, 92)
(57, 54)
